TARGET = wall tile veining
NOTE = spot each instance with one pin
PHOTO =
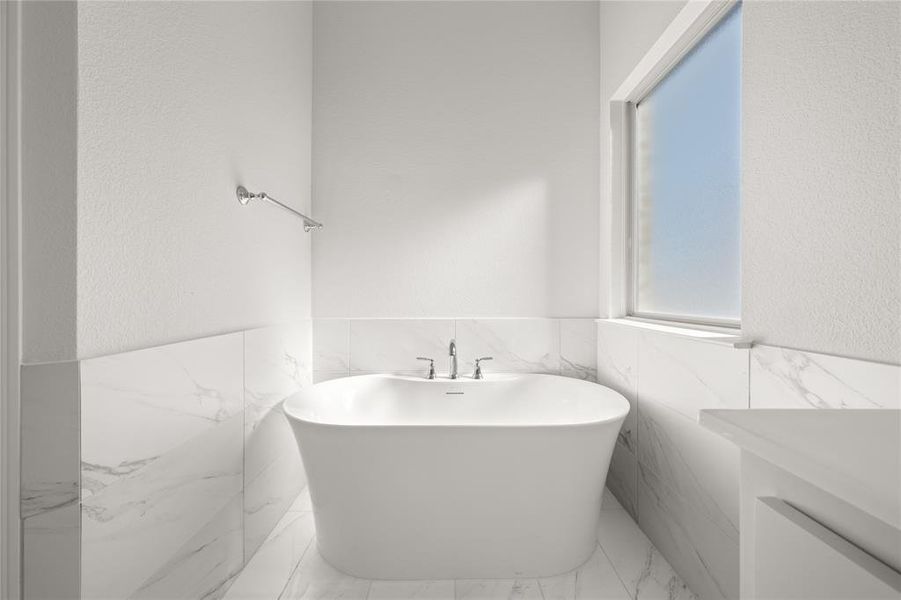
(161, 451)
(51, 547)
(666, 470)
(186, 464)
(138, 406)
(49, 432)
(677, 479)
(784, 378)
(345, 347)
(277, 362)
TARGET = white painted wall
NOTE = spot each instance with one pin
(821, 140)
(455, 161)
(47, 178)
(177, 103)
(822, 178)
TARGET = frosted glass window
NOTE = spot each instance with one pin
(687, 253)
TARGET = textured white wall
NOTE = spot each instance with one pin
(455, 159)
(178, 102)
(821, 146)
(48, 201)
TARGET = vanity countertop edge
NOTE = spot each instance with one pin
(854, 455)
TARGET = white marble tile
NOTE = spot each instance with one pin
(331, 345)
(782, 378)
(594, 580)
(641, 568)
(387, 345)
(133, 527)
(688, 375)
(422, 372)
(205, 565)
(137, 406)
(302, 503)
(51, 546)
(617, 368)
(267, 573)
(706, 558)
(517, 345)
(49, 417)
(315, 579)
(412, 590)
(277, 363)
(622, 478)
(609, 501)
(578, 348)
(269, 496)
(271, 440)
(699, 465)
(498, 589)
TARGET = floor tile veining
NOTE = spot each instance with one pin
(625, 566)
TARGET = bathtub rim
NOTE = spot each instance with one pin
(619, 416)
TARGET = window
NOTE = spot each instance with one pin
(684, 202)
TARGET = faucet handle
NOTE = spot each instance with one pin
(478, 372)
(431, 365)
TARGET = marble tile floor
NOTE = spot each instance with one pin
(625, 566)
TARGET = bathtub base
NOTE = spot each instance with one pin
(449, 503)
(415, 568)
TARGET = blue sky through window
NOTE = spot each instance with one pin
(688, 173)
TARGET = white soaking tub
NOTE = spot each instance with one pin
(456, 479)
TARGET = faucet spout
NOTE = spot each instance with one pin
(452, 352)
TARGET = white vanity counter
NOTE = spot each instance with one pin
(822, 488)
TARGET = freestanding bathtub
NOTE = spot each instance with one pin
(456, 479)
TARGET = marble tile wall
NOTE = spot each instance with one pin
(160, 472)
(51, 549)
(345, 347)
(277, 363)
(49, 434)
(783, 378)
(161, 451)
(676, 479)
(50, 475)
(185, 460)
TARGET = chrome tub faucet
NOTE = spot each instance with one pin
(477, 374)
(452, 352)
(431, 374)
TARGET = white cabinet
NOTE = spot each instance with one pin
(797, 558)
(820, 502)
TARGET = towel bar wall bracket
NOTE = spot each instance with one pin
(244, 197)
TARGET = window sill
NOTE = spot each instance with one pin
(721, 337)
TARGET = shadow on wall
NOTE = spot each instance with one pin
(468, 164)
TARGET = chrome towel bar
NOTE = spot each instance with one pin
(244, 197)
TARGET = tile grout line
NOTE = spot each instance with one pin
(80, 498)
(296, 567)
(750, 350)
(541, 589)
(616, 572)
(349, 338)
(559, 346)
(244, 559)
(638, 342)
